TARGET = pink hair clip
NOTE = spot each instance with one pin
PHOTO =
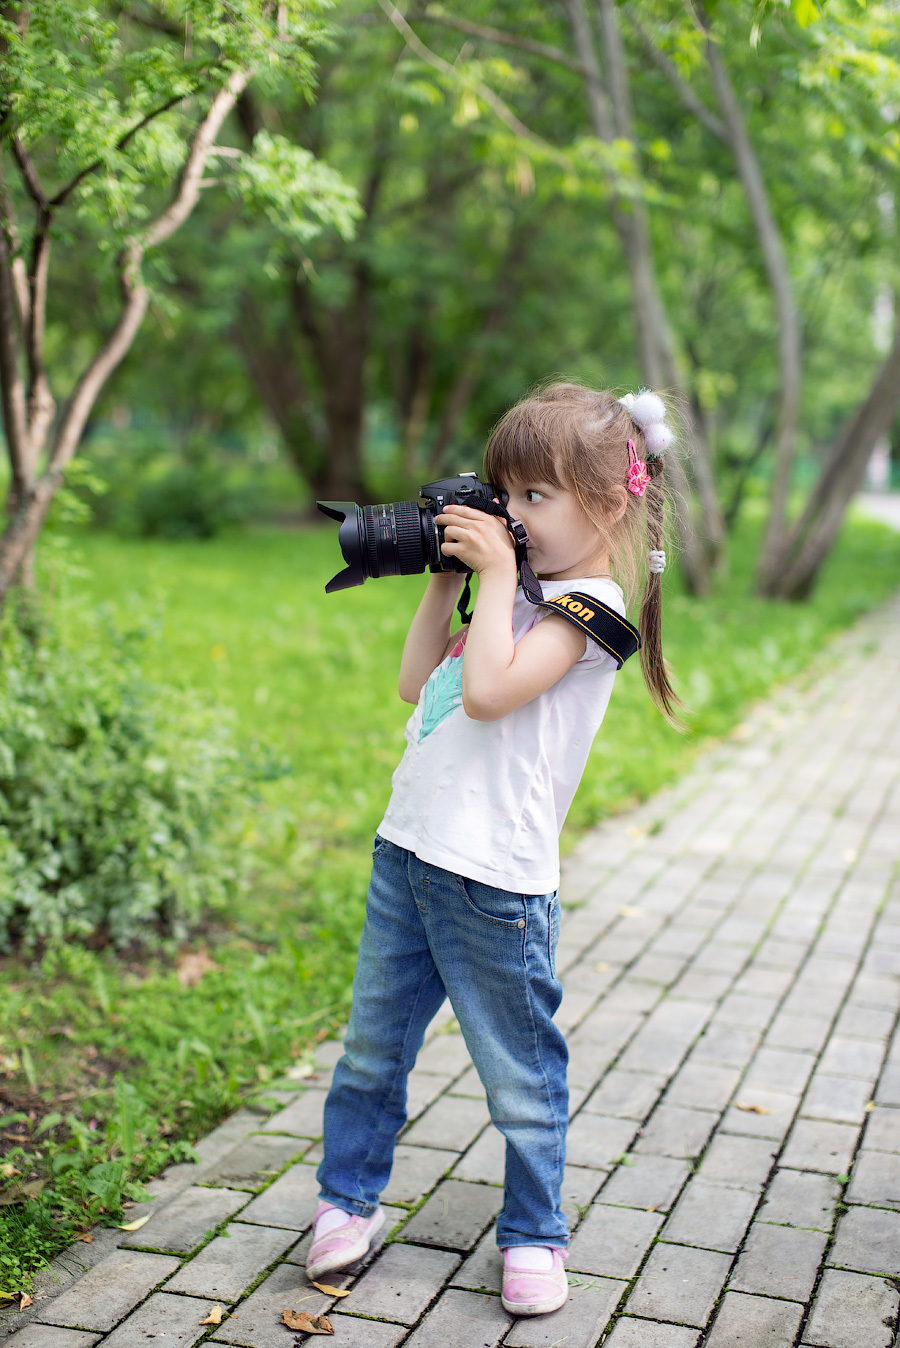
(637, 479)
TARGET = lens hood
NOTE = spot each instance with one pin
(350, 539)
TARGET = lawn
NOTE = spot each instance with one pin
(129, 1061)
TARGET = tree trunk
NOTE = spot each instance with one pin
(793, 570)
(611, 119)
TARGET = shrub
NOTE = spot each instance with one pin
(117, 796)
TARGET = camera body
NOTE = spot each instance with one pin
(401, 538)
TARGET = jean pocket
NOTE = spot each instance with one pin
(499, 906)
(379, 844)
(553, 933)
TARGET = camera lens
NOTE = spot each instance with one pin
(396, 541)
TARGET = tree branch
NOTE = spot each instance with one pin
(504, 113)
(505, 39)
(69, 188)
(188, 193)
(11, 383)
(29, 174)
(664, 63)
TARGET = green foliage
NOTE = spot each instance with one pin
(291, 189)
(114, 794)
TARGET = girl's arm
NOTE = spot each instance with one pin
(429, 638)
(498, 675)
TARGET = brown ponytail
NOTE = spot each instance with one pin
(656, 675)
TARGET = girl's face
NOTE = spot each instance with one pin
(563, 543)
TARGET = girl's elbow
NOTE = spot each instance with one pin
(407, 692)
(482, 708)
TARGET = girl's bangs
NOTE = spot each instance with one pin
(519, 450)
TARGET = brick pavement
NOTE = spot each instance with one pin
(731, 957)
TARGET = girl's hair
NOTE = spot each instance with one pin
(577, 438)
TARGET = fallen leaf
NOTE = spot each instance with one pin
(870, 1106)
(603, 967)
(192, 965)
(752, 1109)
(214, 1317)
(331, 1291)
(25, 1301)
(299, 1071)
(309, 1324)
(7, 1170)
(136, 1224)
(629, 910)
(86, 1237)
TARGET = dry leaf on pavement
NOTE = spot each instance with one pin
(191, 966)
(136, 1224)
(309, 1324)
(25, 1301)
(214, 1317)
(331, 1291)
(752, 1109)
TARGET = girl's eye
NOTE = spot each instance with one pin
(532, 497)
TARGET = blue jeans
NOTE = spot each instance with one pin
(430, 934)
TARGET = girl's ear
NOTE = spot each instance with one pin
(619, 503)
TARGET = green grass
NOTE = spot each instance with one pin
(246, 619)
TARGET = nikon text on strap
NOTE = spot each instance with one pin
(597, 620)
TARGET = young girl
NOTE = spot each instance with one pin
(462, 902)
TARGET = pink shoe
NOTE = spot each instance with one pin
(532, 1283)
(339, 1239)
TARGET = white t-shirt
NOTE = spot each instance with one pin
(487, 799)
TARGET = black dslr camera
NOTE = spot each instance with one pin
(399, 539)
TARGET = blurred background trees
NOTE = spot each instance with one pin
(701, 200)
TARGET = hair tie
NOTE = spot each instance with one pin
(637, 478)
(657, 562)
(648, 411)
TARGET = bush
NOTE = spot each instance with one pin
(116, 795)
(142, 489)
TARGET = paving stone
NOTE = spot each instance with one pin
(649, 1182)
(223, 1139)
(452, 1122)
(778, 1069)
(791, 1029)
(183, 1223)
(727, 1045)
(580, 1185)
(864, 1022)
(779, 1259)
(45, 1336)
(882, 1130)
(676, 1131)
(662, 1042)
(289, 1202)
(761, 1113)
(613, 1241)
(257, 1321)
(598, 1141)
(422, 1088)
(711, 1216)
(888, 1089)
(444, 1053)
(254, 1162)
(455, 1215)
(577, 1324)
(702, 1085)
(108, 1291)
(840, 1099)
(176, 1319)
(468, 1084)
(679, 1283)
(816, 1145)
(853, 1058)
(741, 1162)
(801, 1198)
(625, 1095)
(749, 1012)
(754, 1322)
(403, 1281)
(351, 1331)
(302, 1118)
(485, 1160)
(852, 1311)
(483, 1270)
(868, 1240)
(463, 1319)
(875, 1179)
(632, 1333)
(415, 1172)
(228, 1264)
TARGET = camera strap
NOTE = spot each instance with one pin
(602, 624)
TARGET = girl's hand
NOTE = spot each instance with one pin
(481, 541)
